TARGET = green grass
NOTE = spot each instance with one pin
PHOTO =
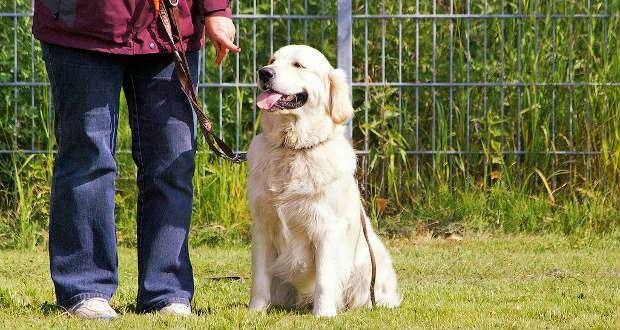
(482, 282)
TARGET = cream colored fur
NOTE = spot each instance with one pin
(307, 241)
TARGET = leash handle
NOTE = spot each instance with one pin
(168, 14)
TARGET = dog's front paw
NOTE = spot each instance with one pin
(324, 310)
(258, 304)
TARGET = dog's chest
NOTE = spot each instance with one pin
(298, 176)
(295, 193)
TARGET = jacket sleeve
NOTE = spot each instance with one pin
(216, 8)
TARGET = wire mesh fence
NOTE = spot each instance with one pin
(445, 89)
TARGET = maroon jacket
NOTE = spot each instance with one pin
(125, 27)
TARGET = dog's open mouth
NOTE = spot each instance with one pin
(271, 100)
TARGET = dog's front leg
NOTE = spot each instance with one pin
(327, 280)
(263, 256)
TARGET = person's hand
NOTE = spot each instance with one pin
(221, 31)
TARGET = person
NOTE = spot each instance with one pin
(91, 50)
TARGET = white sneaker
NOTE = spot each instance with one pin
(93, 309)
(176, 309)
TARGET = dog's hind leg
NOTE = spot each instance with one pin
(283, 293)
(386, 288)
(387, 293)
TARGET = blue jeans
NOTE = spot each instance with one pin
(82, 234)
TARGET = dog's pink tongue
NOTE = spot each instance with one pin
(266, 100)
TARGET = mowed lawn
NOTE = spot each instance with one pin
(500, 281)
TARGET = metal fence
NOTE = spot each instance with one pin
(453, 78)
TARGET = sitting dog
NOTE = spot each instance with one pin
(308, 247)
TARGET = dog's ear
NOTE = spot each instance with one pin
(340, 108)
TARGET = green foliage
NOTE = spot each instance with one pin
(435, 158)
(445, 211)
(220, 208)
(22, 226)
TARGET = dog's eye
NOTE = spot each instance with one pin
(271, 60)
(298, 65)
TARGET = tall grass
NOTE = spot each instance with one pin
(22, 224)
(469, 180)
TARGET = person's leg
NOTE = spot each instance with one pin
(163, 147)
(82, 233)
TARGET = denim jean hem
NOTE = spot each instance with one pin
(70, 302)
(163, 303)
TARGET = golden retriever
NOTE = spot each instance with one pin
(308, 248)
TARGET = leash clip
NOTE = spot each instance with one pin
(173, 3)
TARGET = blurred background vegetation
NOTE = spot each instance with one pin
(523, 153)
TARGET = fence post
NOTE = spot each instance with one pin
(345, 47)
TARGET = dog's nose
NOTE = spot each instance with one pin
(265, 74)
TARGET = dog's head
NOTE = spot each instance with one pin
(299, 81)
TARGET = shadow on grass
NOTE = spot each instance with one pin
(49, 309)
(203, 311)
(207, 311)
(278, 309)
(129, 309)
(271, 310)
